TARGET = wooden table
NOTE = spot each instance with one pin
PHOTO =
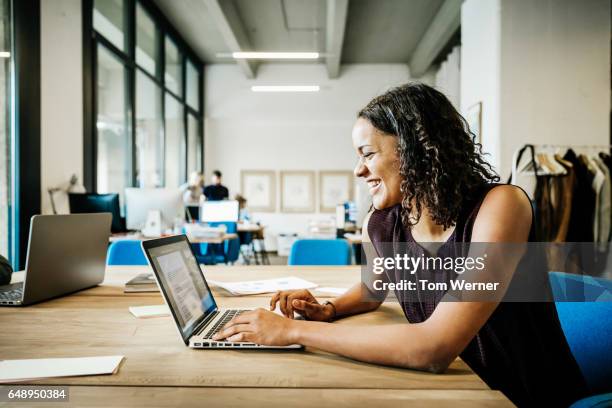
(160, 370)
(255, 228)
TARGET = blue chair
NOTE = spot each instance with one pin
(320, 252)
(126, 252)
(599, 401)
(584, 306)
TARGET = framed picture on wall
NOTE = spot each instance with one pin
(335, 187)
(259, 188)
(297, 191)
(474, 120)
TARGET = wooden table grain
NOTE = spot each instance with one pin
(92, 396)
(97, 322)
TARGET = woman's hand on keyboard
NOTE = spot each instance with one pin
(302, 302)
(258, 326)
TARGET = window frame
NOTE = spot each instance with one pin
(91, 39)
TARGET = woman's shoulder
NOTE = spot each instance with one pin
(505, 214)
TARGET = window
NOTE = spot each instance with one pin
(114, 145)
(193, 83)
(146, 115)
(149, 135)
(146, 42)
(175, 142)
(109, 20)
(173, 75)
(5, 127)
(194, 146)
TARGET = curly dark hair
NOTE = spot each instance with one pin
(441, 164)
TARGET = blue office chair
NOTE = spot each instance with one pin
(584, 306)
(126, 252)
(320, 252)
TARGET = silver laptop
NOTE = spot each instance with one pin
(188, 296)
(66, 253)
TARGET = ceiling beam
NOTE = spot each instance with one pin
(445, 23)
(227, 19)
(337, 11)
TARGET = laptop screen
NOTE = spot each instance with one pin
(183, 283)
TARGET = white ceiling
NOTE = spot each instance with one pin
(375, 31)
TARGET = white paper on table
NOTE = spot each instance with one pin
(333, 291)
(264, 286)
(149, 311)
(21, 370)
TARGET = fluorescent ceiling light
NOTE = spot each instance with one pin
(285, 88)
(5, 54)
(275, 55)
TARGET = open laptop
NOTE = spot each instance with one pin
(66, 253)
(188, 296)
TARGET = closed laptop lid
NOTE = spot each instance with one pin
(66, 253)
(181, 282)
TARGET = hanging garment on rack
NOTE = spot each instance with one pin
(565, 190)
(597, 185)
(607, 159)
(583, 202)
(603, 224)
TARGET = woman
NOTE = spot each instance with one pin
(193, 189)
(429, 183)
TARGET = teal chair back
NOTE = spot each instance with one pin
(126, 252)
(584, 306)
(320, 252)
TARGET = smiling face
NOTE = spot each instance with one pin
(378, 163)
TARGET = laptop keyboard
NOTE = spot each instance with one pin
(11, 293)
(225, 318)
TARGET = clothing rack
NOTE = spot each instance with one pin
(568, 209)
(549, 146)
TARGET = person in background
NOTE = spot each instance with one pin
(193, 189)
(216, 191)
(193, 192)
(243, 215)
(5, 271)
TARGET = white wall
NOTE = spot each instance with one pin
(61, 97)
(555, 71)
(255, 131)
(480, 68)
(448, 77)
(540, 68)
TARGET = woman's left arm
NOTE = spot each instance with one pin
(505, 216)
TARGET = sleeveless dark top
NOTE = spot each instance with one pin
(521, 350)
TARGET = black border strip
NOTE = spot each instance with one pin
(26, 21)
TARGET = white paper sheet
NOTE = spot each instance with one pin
(264, 286)
(149, 311)
(21, 370)
(333, 291)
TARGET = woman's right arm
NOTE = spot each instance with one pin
(350, 303)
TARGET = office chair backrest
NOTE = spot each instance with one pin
(584, 306)
(126, 252)
(320, 252)
(231, 248)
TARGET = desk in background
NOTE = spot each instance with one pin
(193, 240)
(159, 370)
(249, 234)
